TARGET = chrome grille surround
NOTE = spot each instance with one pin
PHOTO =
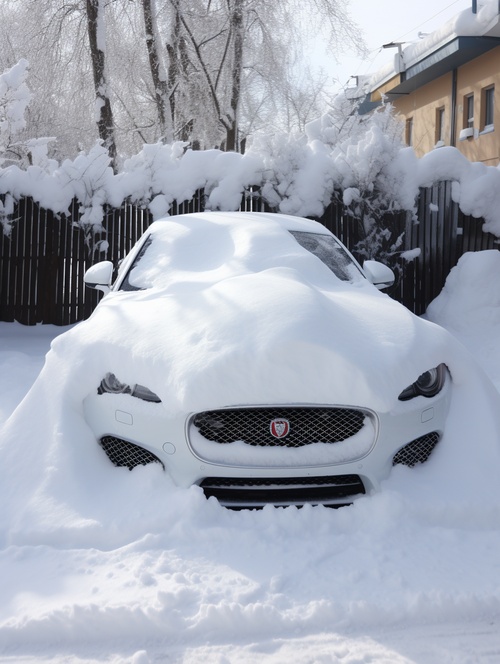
(308, 424)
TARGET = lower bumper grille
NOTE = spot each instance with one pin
(122, 453)
(240, 492)
(418, 451)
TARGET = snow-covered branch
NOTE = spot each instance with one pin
(14, 99)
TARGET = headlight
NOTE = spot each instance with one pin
(428, 384)
(142, 392)
(111, 385)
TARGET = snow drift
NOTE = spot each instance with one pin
(100, 564)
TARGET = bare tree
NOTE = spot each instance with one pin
(209, 72)
(104, 114)
(157, 70)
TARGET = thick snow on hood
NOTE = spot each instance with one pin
(237, 312)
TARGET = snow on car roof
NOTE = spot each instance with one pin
(206, 248)
(285, 221)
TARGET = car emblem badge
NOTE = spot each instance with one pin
(280, 428)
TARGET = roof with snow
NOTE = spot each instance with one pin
(465, 37)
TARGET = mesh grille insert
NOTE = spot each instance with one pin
(255, 491)
(418, 451)
(122, 453)
(306, 425)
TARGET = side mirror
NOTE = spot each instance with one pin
(99, 276)
(378, 274)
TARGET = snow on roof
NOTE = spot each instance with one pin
(486, 23)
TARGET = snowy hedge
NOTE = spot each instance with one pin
(298, 175)
(359, 159)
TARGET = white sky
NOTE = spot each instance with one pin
(385, 21)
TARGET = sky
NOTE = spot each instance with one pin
(383, 22)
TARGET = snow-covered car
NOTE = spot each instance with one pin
(252, 355)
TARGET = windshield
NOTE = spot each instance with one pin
(330, 252)
(126, 285)
(325, 247)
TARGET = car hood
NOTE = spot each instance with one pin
(264, 338)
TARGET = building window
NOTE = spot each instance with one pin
(409, 131)
(440, 125)
(468, 111)
(487, 108)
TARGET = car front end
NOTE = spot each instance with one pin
(251, 355)
(280, 454)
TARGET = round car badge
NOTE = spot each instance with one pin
(279, 428)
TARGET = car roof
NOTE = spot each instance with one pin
(286, 221)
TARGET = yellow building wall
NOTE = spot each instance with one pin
(421, 107)
(386, 87)
(474, 77)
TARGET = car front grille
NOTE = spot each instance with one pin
(418, 451)
(122, 453)
(237, 492)
(306, 425)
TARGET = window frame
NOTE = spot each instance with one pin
(440, 122)
(468, 120)
(409, 132)
(488, 109)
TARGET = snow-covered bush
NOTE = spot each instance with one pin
(161, 174)
(374, 171)
(297, 174)
(14, 99)
(359, 160)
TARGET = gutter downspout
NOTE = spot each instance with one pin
(453, 123)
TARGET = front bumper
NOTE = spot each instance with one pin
(133, 432)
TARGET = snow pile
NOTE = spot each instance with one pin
(476, 187)
(404, 576)
(469, 305)
(298, 173)
(100, 564)
(163, 174)
(218, 325)
(88, 178)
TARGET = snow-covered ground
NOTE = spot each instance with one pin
(410, 575)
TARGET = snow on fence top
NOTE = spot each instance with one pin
(342, 154)
(298, 175)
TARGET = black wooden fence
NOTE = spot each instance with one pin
(44, 258)
(441, 233)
